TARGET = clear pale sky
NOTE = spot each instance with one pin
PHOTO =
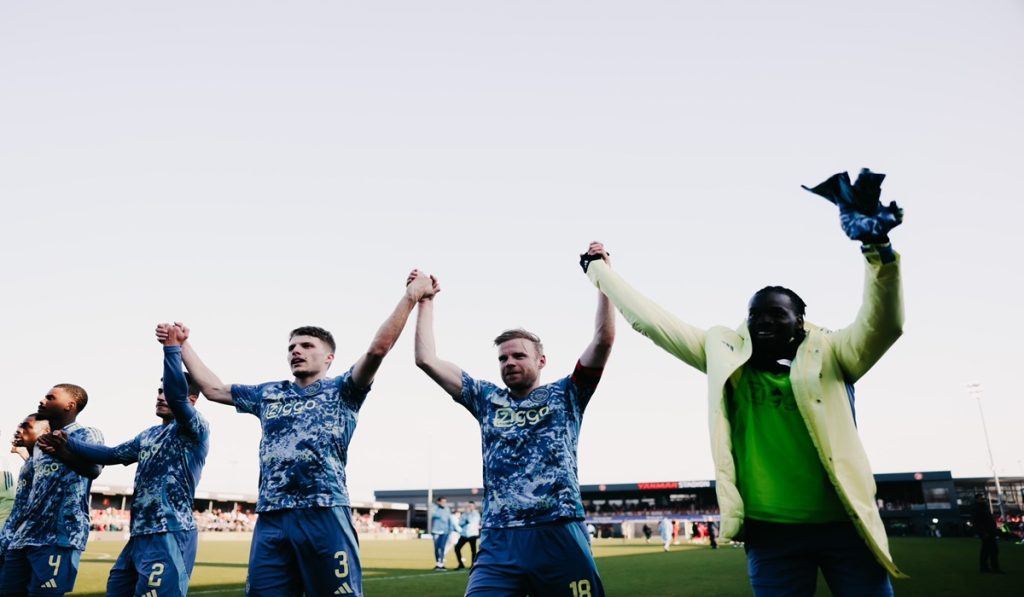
(251, 167)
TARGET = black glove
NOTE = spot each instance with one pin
(861, 214)
(586, 258)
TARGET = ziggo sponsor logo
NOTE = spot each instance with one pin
(48, 468)
(510, 417)
(283, 409)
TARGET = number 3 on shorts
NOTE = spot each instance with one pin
(342, 557)
(158, 569)
(580, 588)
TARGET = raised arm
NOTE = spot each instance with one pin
(879, 322)
(211, 385)
(175, 384)
(417, 286)
(864, 218)
(447, 375)
(682, 340)
(597, 352)
(56, 444)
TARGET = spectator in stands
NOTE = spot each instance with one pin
(792, 473)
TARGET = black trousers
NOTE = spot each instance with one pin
(989, 558)
(472, 549)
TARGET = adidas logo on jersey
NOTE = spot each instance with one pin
(151, 593)
(344, 589)
(50, 584)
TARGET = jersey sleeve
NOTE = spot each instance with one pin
(197, 427)
(247, 399)
(176, 394)
(880, 320)
(125, 453)
(680, 339)
(89, 435)
(583, 383)
(351, 393)
(474, 393)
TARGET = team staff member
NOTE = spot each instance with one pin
(790, 467)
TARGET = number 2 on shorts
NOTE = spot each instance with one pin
(158, 569)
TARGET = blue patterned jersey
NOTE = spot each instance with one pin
(171, 459)
(529, 448)
(22, 489)
(306, 432)
(57, 512)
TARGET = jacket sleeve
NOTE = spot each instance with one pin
(681, 340)
(880, 320)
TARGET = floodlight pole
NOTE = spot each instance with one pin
(975, 390)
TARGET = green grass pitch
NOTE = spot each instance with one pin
(395, 568)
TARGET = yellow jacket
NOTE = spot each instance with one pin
(826, 363)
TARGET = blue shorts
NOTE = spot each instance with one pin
(783, 559)
(310, 549)
(42, 570)
(156, 565)
(552, 559)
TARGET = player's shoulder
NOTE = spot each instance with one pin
(263, 388)
(282, 384)
(338, 380)
(150, 431)
(344, 379)
(484, 386)
(557, 385)
(78, 430)
(199, 422)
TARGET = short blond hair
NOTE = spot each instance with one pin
(520, 334)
